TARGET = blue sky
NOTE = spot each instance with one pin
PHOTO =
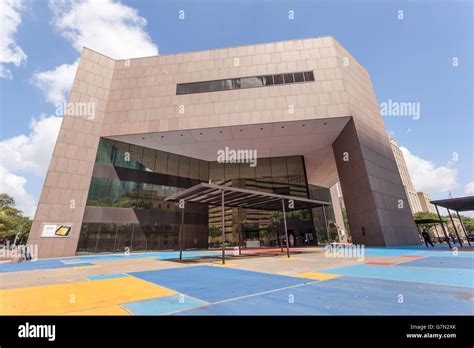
(409, 59)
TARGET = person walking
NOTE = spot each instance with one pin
(427, 238)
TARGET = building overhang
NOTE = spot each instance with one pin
(312, 138)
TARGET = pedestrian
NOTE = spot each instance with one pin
(427, 238)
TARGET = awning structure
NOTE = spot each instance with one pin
(456, 204)
(211, 194)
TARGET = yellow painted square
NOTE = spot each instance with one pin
(71, 297)
(318, 275)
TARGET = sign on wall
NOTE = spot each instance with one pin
(56, 230)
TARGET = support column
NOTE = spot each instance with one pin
(455, 229)
(181, 234)
(442, 226)
(286, 229)
(240, 229)
(223, 227)
(463, 228)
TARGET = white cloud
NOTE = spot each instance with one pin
(31, 153)
(427, 177)
(10, 52)
(14, 185)
(469, 189)
(105, 26)
(56, 83)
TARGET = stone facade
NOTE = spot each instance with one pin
(136, 100)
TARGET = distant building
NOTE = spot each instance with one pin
(410, 191)
(425, 200)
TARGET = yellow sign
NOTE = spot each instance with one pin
(62, 230)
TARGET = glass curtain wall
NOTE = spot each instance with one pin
(126, 208)
(257, 228)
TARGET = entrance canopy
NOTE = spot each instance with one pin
(211, 194)
(456, 204)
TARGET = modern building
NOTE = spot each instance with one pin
(136, 131)
(425, 202)
(413, 201)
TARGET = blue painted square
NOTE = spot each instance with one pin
(349, 296)
(212, 283)
(163, 305)
(442, 276)
(38, 265)
(442, 262)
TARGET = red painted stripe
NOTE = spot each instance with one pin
(378, 263)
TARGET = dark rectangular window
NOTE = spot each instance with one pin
(243, 82)
(288, 78)
(309, 76)
(278, 79)
(299, 77)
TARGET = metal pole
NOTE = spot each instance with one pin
(454, 226)
(286, 229)
(326, 223)
(223, 227)
(442, 226)
(463, 227)
(280, 244)
(240, 229)
(279, 239)
(181, 234)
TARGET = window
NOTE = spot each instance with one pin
(268, 80)
(278, 79)
(299, 77)
(243, 82)
(309, 76)
(288, 78)
(249, 82)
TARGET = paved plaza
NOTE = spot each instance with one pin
(386, 281)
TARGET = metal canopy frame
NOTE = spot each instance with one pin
(211, 194)
(456, 204)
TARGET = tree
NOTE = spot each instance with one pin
(424, 215)
(12, 221)
(468, 222)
